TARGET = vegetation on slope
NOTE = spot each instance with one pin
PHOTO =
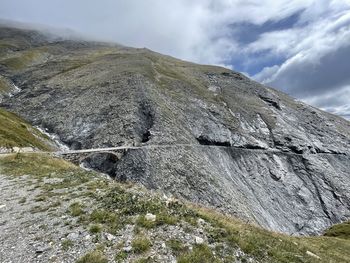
(340, 230)
(113, 206)
(14, 131)
(23, 59)
(4, 86)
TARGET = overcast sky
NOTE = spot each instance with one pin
(301, 47)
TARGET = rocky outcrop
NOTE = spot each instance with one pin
(219, 138)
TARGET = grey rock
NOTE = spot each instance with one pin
(127, 249)
(39, 249)
(150, 217)
(309, 253)
(73, 236)
(110, 237)
(199, 240)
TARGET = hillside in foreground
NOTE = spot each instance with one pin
(53, 211)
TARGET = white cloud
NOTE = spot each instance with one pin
(204, 31)
(197, 30)
(336, 102)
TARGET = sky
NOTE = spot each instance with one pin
(301, 47)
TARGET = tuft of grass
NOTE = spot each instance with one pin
(340, 230)
(161, 219)
(76, 209)
(22, 200)
(176, 247)
(140, 244)
(200, 254)
(121, 257)
(110, 220)
(95, 256)
(143, 260)
(40, 198)
(66, 244)
(94, 229)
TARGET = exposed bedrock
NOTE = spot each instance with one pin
(285, 192)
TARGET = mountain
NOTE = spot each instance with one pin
(199, 133)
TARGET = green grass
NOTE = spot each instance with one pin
(176, 247)
(94, 229)
(340, 230)
(143, 260)
(199, 254)
(22, 200)
(4, 44)
(4, 86)
(110, 220)
(76, 209)
(22, 59)
(14, 131)
(67, 244)
(95, 256)
(267, 246)
(38, 166)
(161, 219)
(140, 244)
(121, 257)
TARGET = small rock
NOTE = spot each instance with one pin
(127, 249)
(41, 249)
(163, 245)
(87, 237)
(309, 253)
(2, 206)
(73, 236)
(200, 221)
(199, 240)
(16, 149)
(150, 217)
(110, 237)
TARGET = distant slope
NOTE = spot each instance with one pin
(250, 151)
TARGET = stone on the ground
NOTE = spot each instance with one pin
(199, 240)
(309, 253)
(73, 236)
(150, 217)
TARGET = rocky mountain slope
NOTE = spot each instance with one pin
(218, 138)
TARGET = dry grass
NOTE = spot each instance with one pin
(14, 131)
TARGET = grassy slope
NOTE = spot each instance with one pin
(117, 205)
(14, 131)
(4, 86)
(340, 230)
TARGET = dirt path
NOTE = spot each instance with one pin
(32, 229)
(19, 228)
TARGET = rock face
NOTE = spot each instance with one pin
(210, 135)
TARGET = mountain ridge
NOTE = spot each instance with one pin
(93, 95)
